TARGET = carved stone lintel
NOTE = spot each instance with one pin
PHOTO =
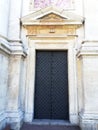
(46, 30)
(51, 23)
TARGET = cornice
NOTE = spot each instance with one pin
(88, 48)
(12, 47)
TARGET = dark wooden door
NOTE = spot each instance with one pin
(51, 85)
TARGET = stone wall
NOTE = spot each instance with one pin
(87, 63)
(4, 60)
(4, 15)
(91, 19)
(12, 72)
(87, 85)
(3, 87)
(13, 65)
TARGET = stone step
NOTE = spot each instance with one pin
(27, 126)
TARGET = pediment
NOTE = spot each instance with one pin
(51, 15)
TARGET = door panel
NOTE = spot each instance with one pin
(59, 86)
(51, 85)
(42, 85)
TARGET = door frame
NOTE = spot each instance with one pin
(60, 45)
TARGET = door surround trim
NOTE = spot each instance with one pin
(30, 83)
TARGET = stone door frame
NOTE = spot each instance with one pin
(47, 44)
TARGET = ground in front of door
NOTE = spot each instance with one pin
(49, 125)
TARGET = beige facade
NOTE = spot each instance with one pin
(25, 29)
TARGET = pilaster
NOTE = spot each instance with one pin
(29, 106)
(88, 55)
(14, 112)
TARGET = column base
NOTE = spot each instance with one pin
(28, 117)
(87, 122)
(2, 120)
(74, 119)
(15, 119)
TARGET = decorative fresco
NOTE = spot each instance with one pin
(59, 3)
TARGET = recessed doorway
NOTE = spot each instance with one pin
(51, 86)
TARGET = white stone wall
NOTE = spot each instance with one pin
(11, 107)
(90, 74)
(88, 85)
(14, 20)
(4, 60)
(3, 88)
(13, 36)
(26, 7)
(91, 19)
(22, 84)
(87, 68)
(4, 15)
(15, 104)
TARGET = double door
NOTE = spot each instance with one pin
(51, 85)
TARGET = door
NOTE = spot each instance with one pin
(51, 85)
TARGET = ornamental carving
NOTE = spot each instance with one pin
(51, 30)
(52, 18)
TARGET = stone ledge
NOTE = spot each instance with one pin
(14, 116)
(88, 121)
(88, 116)
(4, 46)
(12, 48)
(88, 48)
(2, 115)
(15, 119)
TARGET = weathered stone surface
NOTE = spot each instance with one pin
(24, 29)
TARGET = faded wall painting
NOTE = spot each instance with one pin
(59, 3)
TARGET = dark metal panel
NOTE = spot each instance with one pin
(51, 85)
(42, 85)
(59, 86)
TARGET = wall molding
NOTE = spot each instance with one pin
(12, 47)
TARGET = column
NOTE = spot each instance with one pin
(14, 113)
(89, 86)
(29, 101)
